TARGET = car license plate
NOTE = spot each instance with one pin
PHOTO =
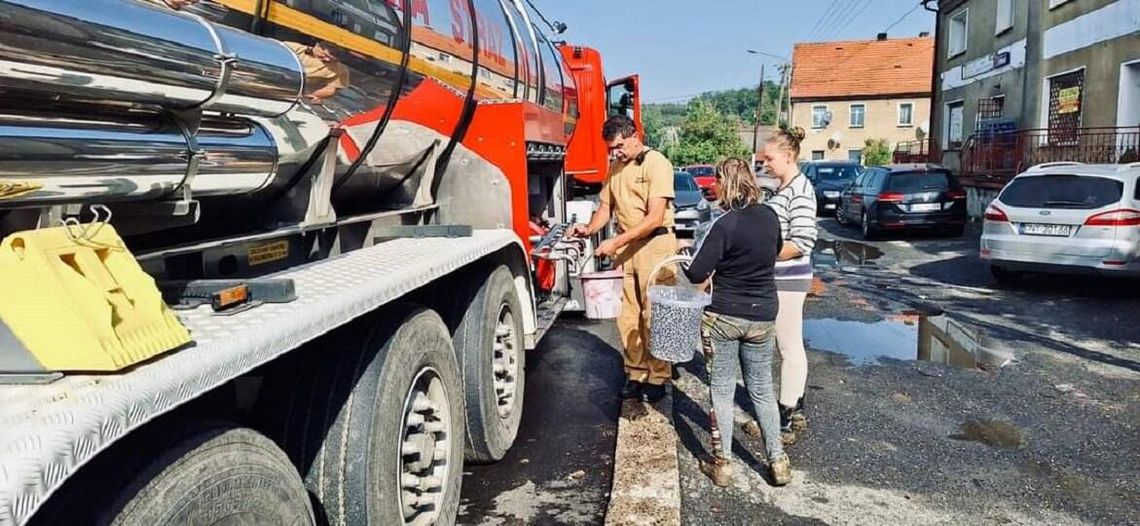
(926, 207)
(1039, 229)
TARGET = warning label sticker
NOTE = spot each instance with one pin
(268, 253)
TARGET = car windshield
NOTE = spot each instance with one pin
(683, 182)
(844, 172)
(701, 171)
(1062, 191)
(918, 182)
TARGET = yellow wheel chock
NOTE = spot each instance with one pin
(79, 303)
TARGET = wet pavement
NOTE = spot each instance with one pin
(936, 397)
(561, 467)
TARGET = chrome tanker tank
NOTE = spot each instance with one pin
(232, 102)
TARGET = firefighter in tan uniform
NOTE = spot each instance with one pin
(637, 194)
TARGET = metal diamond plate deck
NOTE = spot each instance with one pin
(48, 431)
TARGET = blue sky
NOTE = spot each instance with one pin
(683, 48)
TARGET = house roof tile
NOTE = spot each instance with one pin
(862, 68)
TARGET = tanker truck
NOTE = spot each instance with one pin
(280, 261)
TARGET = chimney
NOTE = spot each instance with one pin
(924, 34)
(882, 36)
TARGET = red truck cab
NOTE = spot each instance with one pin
(587, 156)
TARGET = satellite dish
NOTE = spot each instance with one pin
(919, 133)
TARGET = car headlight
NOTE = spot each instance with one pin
(831, 194)
(703, 205)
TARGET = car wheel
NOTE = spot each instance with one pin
(956, 231)
(1005, 276)
(869, 232)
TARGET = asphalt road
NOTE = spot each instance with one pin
(1024, 410)
(1048, 438)
(561, 467)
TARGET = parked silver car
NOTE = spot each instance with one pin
(690, 207)
(1066, 218)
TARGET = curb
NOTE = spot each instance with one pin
(647, 481)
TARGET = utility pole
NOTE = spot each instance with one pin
(784, 70)
(759, 114)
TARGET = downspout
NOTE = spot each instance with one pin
(934, 134)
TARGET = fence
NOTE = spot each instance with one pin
(991, 160)
(916, 152)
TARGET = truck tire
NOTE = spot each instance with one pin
(210, 476)
(373, 416)
(489, 346)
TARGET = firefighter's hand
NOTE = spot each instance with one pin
(579, 230)
(607, 249)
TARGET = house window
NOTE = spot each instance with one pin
(906, 114)
(819, 117)
(990, 109)
(858, 115)
(817, 155)
(959, 28)
(1004, 16)
(1066, 93)
(954, 116)
(855, 155)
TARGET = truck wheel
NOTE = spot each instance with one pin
(218, 475)
(374, 418)
(489, 346)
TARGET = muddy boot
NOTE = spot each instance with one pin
(787, 427)
(781, 470)
(752, 428)
(798, 418)
(718, 470)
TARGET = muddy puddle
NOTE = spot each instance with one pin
(838, 253)
(911, 336)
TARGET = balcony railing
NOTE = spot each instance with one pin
(991, 160)
(912, 152)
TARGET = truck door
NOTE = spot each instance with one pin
(623, 97)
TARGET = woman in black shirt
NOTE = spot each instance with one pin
(739, 253)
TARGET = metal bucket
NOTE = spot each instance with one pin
(602, 294)
(675, 317)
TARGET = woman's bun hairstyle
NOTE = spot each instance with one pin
(789, 139)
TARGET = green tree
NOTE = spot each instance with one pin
(876, 152)
(706, 136)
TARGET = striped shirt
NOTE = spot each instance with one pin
(794, 205)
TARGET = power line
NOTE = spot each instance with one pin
(830, 30)
(858, 13)
(819, 23)
(825, 27)
(899, 21)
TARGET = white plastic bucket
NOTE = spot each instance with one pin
(602, 293)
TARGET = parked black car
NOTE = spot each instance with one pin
(830, 179)
(902, 197)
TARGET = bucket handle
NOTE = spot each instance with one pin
(671, 260)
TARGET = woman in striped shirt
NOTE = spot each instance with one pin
(794, 204)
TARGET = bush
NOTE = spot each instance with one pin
(876, 152)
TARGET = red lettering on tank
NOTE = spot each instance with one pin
(458, 21)
(419, 10)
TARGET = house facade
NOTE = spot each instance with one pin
(1026, 81)
(845, 93)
